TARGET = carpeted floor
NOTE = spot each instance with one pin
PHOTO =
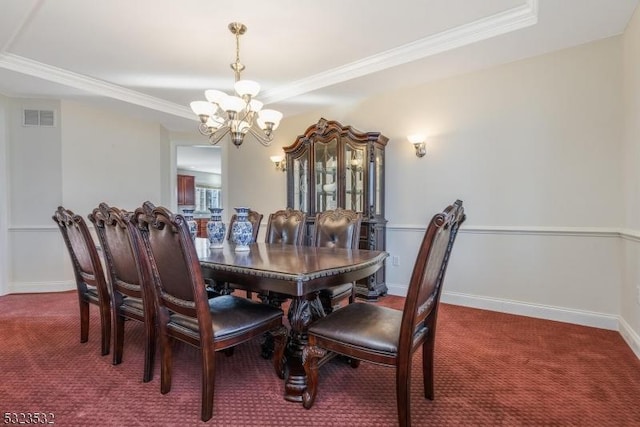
(492, 369)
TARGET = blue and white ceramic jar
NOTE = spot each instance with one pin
(193, 225)
(242, 230)
(216, 229)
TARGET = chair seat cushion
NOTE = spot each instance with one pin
(132, 305)
(230, 315)
(92, 294)
(339, 290)
(363, 326)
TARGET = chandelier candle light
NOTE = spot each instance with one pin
(223, 114)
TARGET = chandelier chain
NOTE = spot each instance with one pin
(238, 66)
(237, 29)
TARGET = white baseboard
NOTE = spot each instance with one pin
(399, 290)
(631, 338)
(41, 287)
(560, 314)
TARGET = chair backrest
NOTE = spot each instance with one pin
(423, 296)
(339, 228)
(87, 266)
(125, 271)
(171, 256)
(286, 226)
(255, 219)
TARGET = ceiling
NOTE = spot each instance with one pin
(151, 58)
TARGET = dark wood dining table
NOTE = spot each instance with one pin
(298, 272)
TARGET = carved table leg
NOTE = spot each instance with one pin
(274, 300)
(302, 312)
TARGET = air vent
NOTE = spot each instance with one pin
(39, 118)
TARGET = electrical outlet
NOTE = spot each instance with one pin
(395, 261)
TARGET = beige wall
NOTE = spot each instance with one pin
(166, 178)
(108, 157)
(630, 288)
(4, 186)
(531, 143)
(35, 171)
(34, 190)
(253, 180)
(534, 150)
(92, 155)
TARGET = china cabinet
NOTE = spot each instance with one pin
(334, 166)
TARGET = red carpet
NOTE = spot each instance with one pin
(491, 369)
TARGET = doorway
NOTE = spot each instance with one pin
(204, 164)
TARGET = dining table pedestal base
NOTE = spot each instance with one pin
(302, 311)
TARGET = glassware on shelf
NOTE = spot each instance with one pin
(329, 188)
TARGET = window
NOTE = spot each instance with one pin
(207, 198)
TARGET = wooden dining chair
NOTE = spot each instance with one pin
(89, 275)
(388, 337)
(129, 282)
(286, 226)
(339, 228)
(185, 313)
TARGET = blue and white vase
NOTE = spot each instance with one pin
(216, 229)
(242, 230)
(193, 225)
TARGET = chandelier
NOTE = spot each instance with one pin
(237, 115)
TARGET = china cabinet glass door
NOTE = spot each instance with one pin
(379, 189)
(354, 159)
(326, 179)
(300, 182)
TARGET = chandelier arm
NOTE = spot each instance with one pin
(248, 114)
(261, 136)
(204, 129)
(217, 136)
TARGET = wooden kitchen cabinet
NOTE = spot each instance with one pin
(202, 227)
(186, 190)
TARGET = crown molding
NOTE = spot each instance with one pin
(510, 20)
(513, 19)
(94, 86)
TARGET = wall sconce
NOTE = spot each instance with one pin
(278, 161)
(418, 144)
